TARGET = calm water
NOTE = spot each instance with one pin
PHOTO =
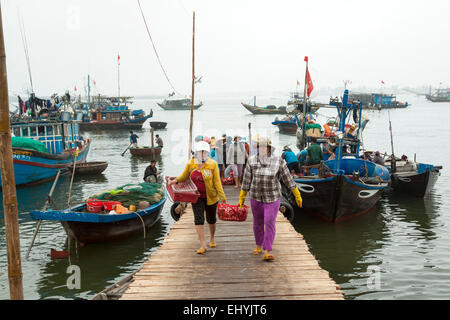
(406, 239)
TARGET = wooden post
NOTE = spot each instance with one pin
(153, 145)
(9, 183)
(193, 85)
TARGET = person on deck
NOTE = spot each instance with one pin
(204, 173)
(151, 173)
(315, 154)
(159, 141)
(378, 159)
(289, 156)
(262, 182)
(301, 157)
(330, 148)
(133, 139)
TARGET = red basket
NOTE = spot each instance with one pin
(94, 205)
(228, 212)
(183, 191)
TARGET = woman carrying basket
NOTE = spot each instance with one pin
(204, 173)
(261, 181)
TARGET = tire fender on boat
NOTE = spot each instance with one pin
(286, 209)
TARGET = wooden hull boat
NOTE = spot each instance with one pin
(87, 227)
(89, 168)
(158, 124)
(146, 151)
(262, 110)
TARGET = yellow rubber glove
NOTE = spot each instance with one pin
(242, 196)
(298, 197)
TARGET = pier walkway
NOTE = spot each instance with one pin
(231, 271)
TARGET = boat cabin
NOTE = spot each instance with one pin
(57, 136)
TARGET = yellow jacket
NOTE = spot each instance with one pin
(211, 177)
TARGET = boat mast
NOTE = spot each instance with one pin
(8, 183)
(193, 86)
(118, 79)
(89, 91)
(304, 105)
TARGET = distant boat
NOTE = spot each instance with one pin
(271, 109)
(287, 125)
(146, 151)
(89, 168)
(107, 113)
(158, 124)
(178, 104)
(440, 95)
(378, 100)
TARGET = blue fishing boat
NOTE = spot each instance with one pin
(287, 125)
(85, 227)
(43, 147)
(378, 100)
(342, 188)
(111, 113)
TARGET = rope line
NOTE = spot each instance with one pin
(154, 48)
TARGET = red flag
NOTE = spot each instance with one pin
(306, 58)
(95, 83)
(75, 88)
(309, 84)
(382, 82)
(118, 59)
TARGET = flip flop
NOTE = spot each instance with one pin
(268, 257)
(257, 251)
(212, 245)
(201, 251)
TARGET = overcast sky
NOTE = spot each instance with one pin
(241, 45)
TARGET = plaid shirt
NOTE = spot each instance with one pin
(263, 180)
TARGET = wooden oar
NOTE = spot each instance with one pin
(71, 180)
(126, 149)
(43, 209)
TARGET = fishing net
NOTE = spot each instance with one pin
(132, 194)
(27, 143)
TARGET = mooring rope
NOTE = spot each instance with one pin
(154, 48)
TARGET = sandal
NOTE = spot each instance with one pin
(212, 245)
(268, 257)
(201, 251)
(257, 251)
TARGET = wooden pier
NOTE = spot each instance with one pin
(230, 271)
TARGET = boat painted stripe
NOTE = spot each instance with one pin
(44, 165)
(313, 180)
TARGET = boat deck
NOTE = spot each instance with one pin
(231, 271)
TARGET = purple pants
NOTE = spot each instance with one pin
(264, 218)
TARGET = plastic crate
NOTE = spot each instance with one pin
(94, 205)
(228, 212)
(183, 191)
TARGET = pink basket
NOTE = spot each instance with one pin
(183, 191)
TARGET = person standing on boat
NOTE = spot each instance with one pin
(133, 139)
(378, 159)
(204, 173)
(159, 141)
(261, 181)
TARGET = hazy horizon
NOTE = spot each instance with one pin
(241, 46)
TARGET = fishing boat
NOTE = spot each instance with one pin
(89, 168)
(413, 178)
(178, 104)
(43, 147)
(440, 95)
(146, 151)
(378, 101)
(91, 227)
(106, 113)
(346, 186)
(158, 124)
(270, 109)
(287, 125)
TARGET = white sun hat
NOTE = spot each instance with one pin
(202, 146)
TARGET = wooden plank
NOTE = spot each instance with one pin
(231, 271)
